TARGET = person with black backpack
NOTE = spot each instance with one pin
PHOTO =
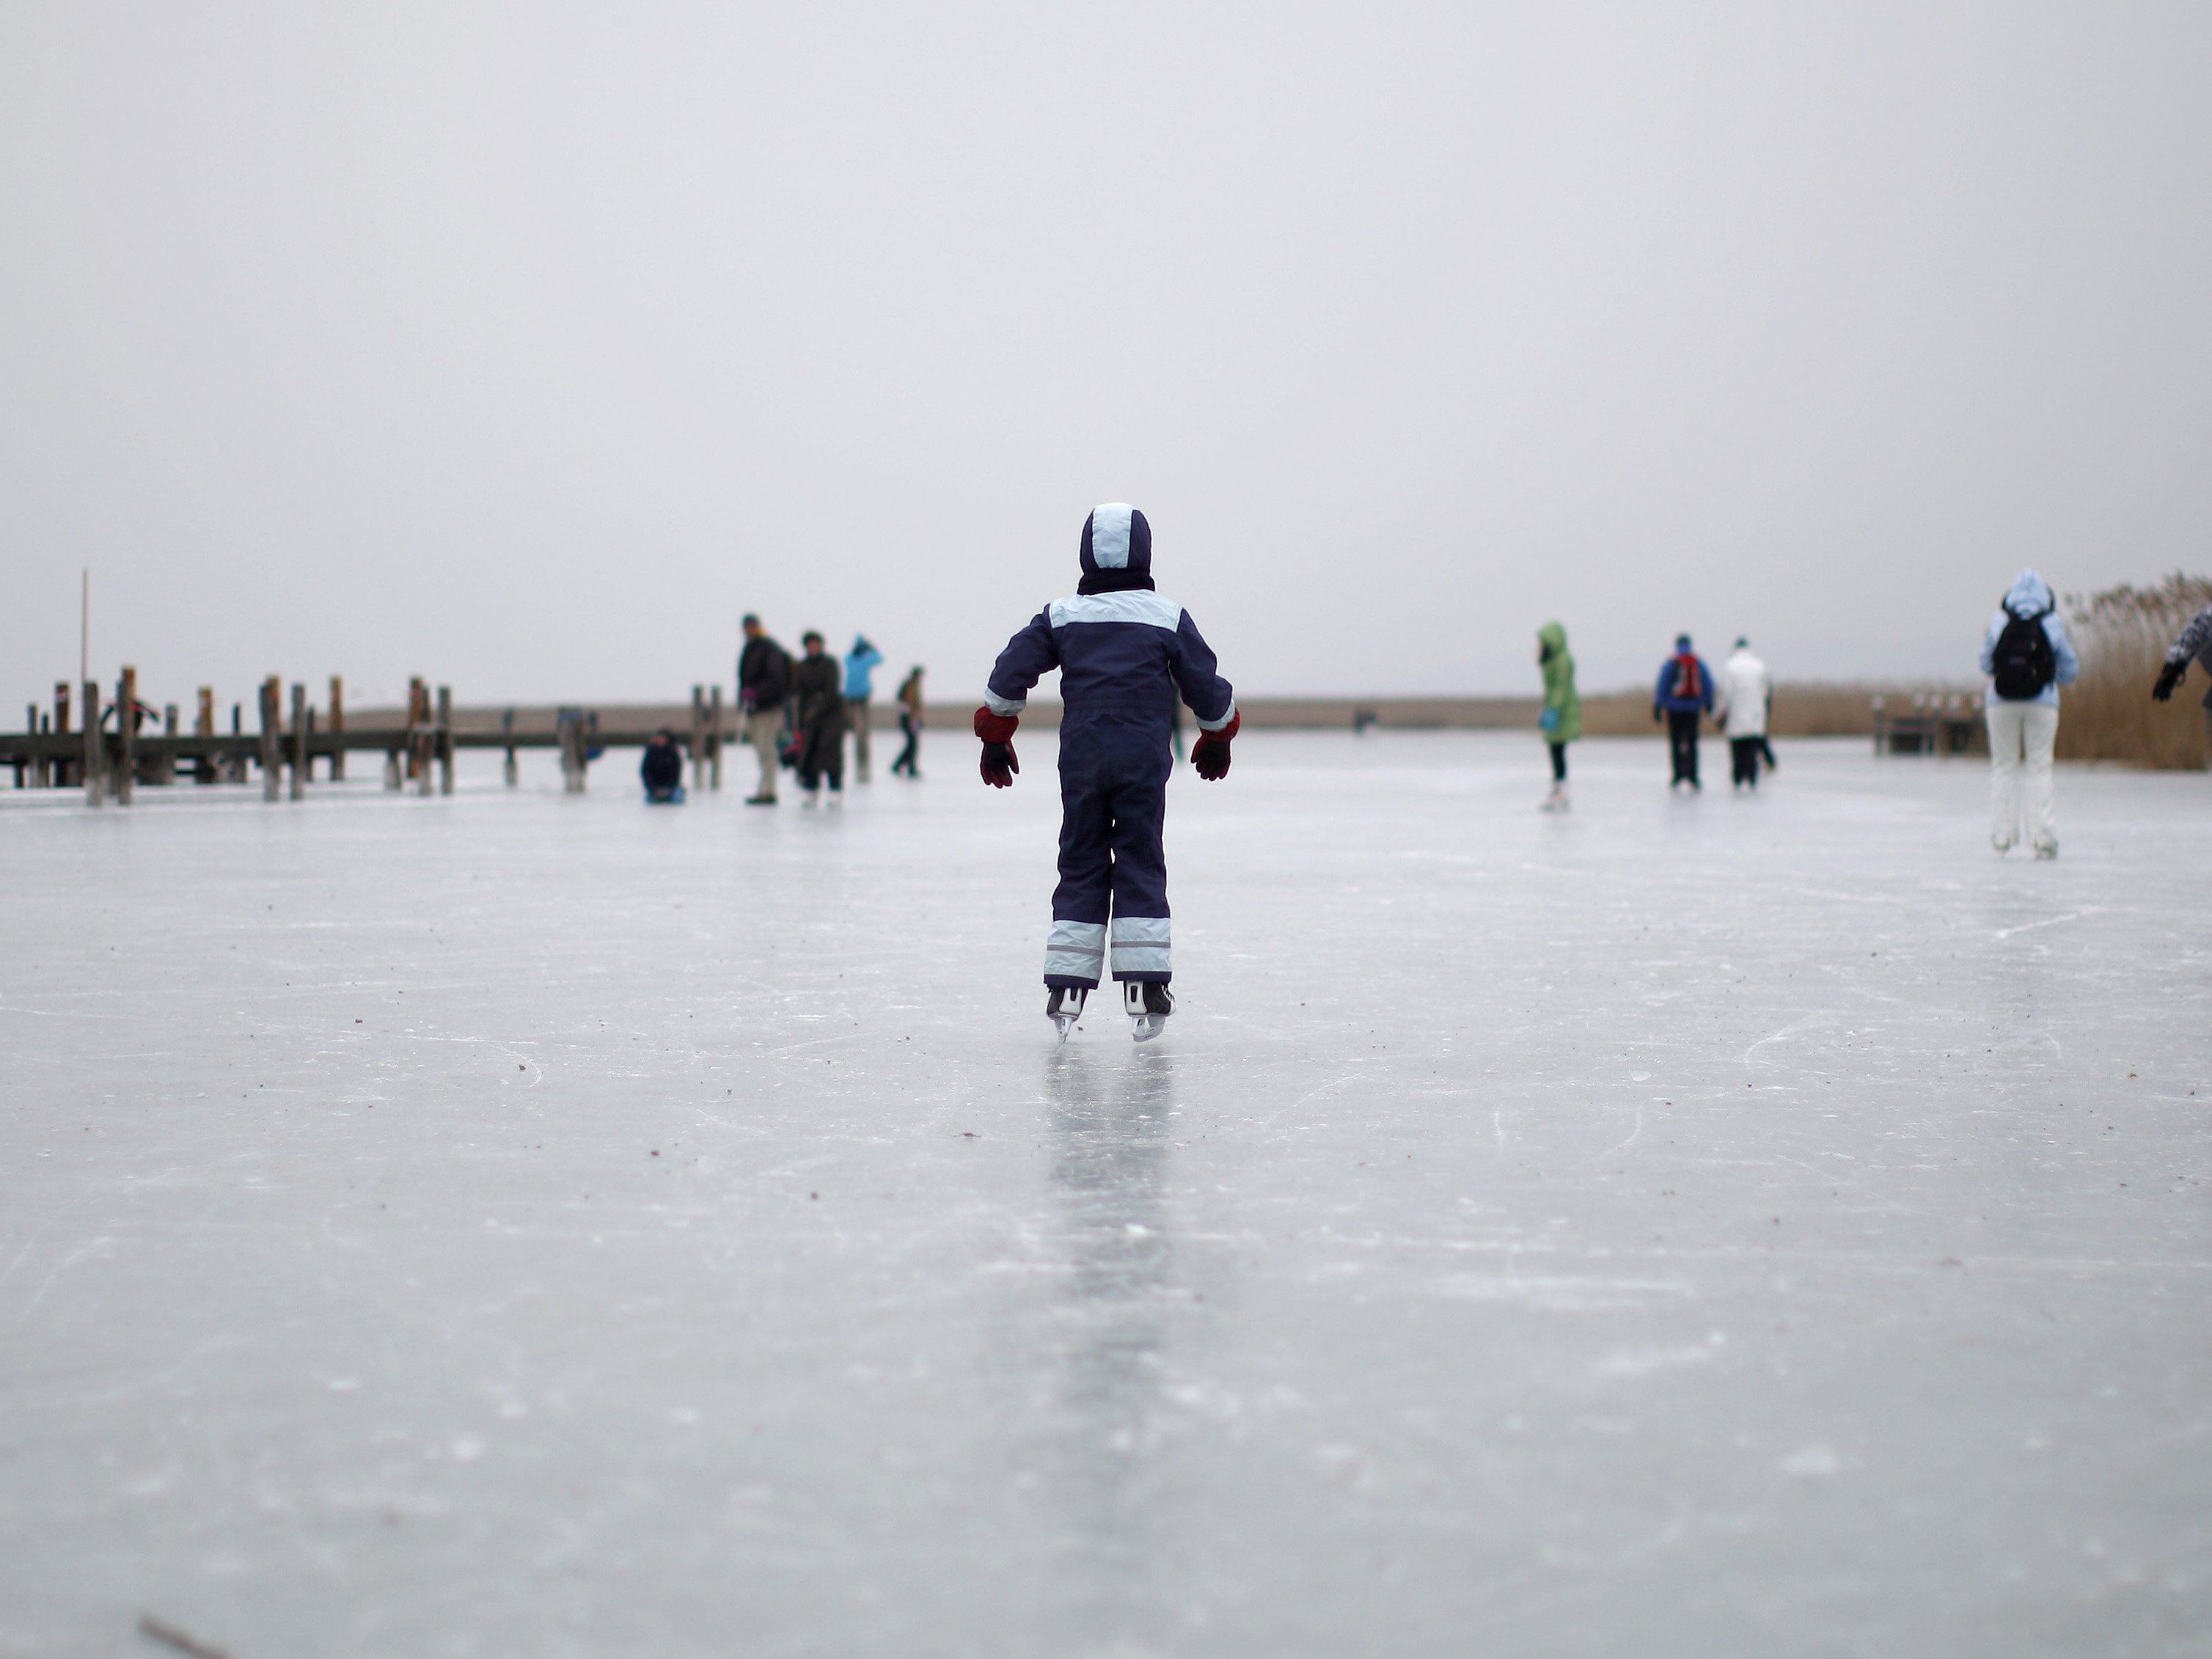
(2027, 656)
(1682, 697)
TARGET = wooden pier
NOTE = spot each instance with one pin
(108, 746)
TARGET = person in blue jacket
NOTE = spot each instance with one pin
(1683, 696)
(1124, 656)
(860, 665)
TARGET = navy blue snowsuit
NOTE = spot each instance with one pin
(1125, 655)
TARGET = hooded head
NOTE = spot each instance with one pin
(2029, 594)
(1682, 643)
(1550, 639)
(1117, 550)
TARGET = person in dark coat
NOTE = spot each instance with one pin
(818, 682)
(662, 769)
(1683, 696)
(763, 687)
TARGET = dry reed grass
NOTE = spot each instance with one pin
(2121, 636)
(1804, 709)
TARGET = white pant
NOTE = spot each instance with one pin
(2021, 736)
(763, 730)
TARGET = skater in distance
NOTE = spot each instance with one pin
(1124, 656)
(1747, 694)
(2027, 656)
(1562, 716)
(1683, 696)
(763, 687)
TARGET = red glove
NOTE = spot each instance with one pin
(1209, 754)
(996, 732)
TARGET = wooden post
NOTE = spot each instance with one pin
(126, 727)
(272, 760)
(445, 739)
(698, 738)
(572, 751)
(58, 774)
(337, 729)
(514, 771)
(298, 741)
(418, 713)
(714, 737)
(426, 741)
(204, 717)
(92, 766)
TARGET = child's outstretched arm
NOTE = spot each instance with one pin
(1212, 699)
(1028, 656)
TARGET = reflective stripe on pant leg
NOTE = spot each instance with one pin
(1140, 873)
(1141, 947)
(1075, 949)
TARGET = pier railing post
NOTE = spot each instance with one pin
(698, 737)
(59, 775)
(445, 739)
(714, 737)
(418, 712)
(337, 729)
(273, 758)
(299, 742)
(94, 765)
(126, 729)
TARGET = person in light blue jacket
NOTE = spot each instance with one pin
(2027, 655)
(860, 665)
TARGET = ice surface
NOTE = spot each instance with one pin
(529, 1225)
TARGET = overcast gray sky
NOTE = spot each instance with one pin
(525, 346)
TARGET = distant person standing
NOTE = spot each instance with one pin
(1562, 716)
(763, 685)
(909, 702)
(2194, 641)
(819, 685)
(1746, 696)
(1682, 697)
(2027, 656)
(860, 665)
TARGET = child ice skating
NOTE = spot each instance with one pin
(1125, 655)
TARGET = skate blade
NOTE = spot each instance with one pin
(1148, 1026)
(1063, 1023)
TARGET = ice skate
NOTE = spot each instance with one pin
(1063, 1007)
(1148, 1004)
(2047, 849)
(1554, 802)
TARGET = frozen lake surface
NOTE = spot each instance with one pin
(525, 1224)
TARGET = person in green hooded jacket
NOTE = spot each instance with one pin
(1562, 717)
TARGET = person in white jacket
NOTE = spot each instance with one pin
(1745, 694)
(2027, 655)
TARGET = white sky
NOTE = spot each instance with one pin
(525, 346)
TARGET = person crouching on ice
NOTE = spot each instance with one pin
(1125, 655)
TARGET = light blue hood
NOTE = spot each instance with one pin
(2029, 594)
